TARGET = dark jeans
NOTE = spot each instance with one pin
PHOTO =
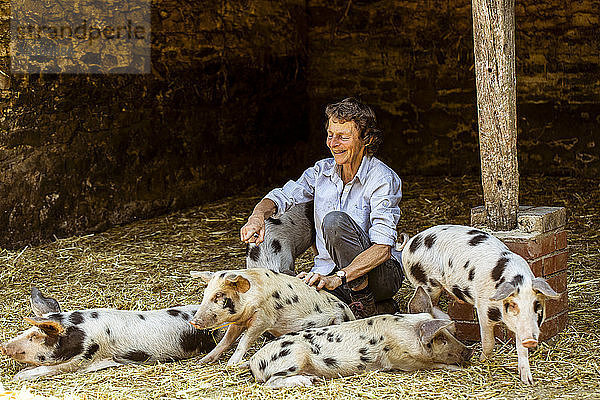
(344, 240)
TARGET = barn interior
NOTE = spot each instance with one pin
(114, 186)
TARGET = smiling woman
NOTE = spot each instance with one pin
(356, 211)
(347, 147)
(351, 133)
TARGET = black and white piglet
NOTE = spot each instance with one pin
(94, 339)
(404, 342)
(477, 268)
(255, 300)
(286, 239)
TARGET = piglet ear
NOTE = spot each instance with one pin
(429, 329)
(503, 291)
(41, 305)
(540, 285)
(237, 283)
(205, 276)
(420, 302)
(49, 326)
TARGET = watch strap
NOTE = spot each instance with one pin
(342, 275)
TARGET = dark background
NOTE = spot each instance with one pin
(236, 98)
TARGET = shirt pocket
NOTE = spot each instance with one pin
(361, 214)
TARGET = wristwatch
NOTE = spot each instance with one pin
(342, 274)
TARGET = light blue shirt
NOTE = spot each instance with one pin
(371, 198)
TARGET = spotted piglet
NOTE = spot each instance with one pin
(94, 339)
(405, 342)
(477, 268)
(286, 238)
(254, 301)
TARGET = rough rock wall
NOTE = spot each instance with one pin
(413, 60)
(236, 98)
(79, 153)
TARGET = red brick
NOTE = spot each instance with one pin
(548, 329)
(503, 333)
(561, 240)
(554, 325)
(534, 247)
(558, 281)
(546, 243)
(555, 262)
(518, 247)
(461, 312)
(554, 307)
(562, 321)
(468, 331)
(537, 267)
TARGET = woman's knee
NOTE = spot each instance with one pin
(335, 224)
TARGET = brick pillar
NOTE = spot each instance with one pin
(541, 240)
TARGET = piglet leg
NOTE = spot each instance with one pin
(37, 372)
(47, 370)
(290, 381)
(254, 331)
(447, 367)
(233, 332)
(523, 361)
(101, 364)
(488, 340)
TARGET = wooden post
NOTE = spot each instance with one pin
(494, 37)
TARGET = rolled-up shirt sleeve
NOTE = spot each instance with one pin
(385, 210)
(294, 192)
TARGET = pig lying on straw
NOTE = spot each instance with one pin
(90, 340)
(404, 342)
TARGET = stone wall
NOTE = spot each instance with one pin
(413, 60)
(79, 153)
(236, 97)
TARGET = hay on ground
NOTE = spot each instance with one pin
(145, 265)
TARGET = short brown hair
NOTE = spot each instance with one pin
(352, 109)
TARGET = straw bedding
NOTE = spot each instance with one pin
(145, 265)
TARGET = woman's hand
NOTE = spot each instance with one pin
(254, 230)
(319, 281)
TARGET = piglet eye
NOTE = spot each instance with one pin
(537, 306)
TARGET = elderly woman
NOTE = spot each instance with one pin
(356, 211)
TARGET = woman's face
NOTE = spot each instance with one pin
(345, 144)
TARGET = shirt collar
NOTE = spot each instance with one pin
(363, 170)
(330, 168)
(334, 170)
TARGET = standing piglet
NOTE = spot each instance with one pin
(286, 238)
(477, 268)
(405, 342)
(255, 301)
(93, 339)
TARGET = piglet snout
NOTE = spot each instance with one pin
(529, 343)
(197, 324)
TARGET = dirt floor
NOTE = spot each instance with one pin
(145, 265)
